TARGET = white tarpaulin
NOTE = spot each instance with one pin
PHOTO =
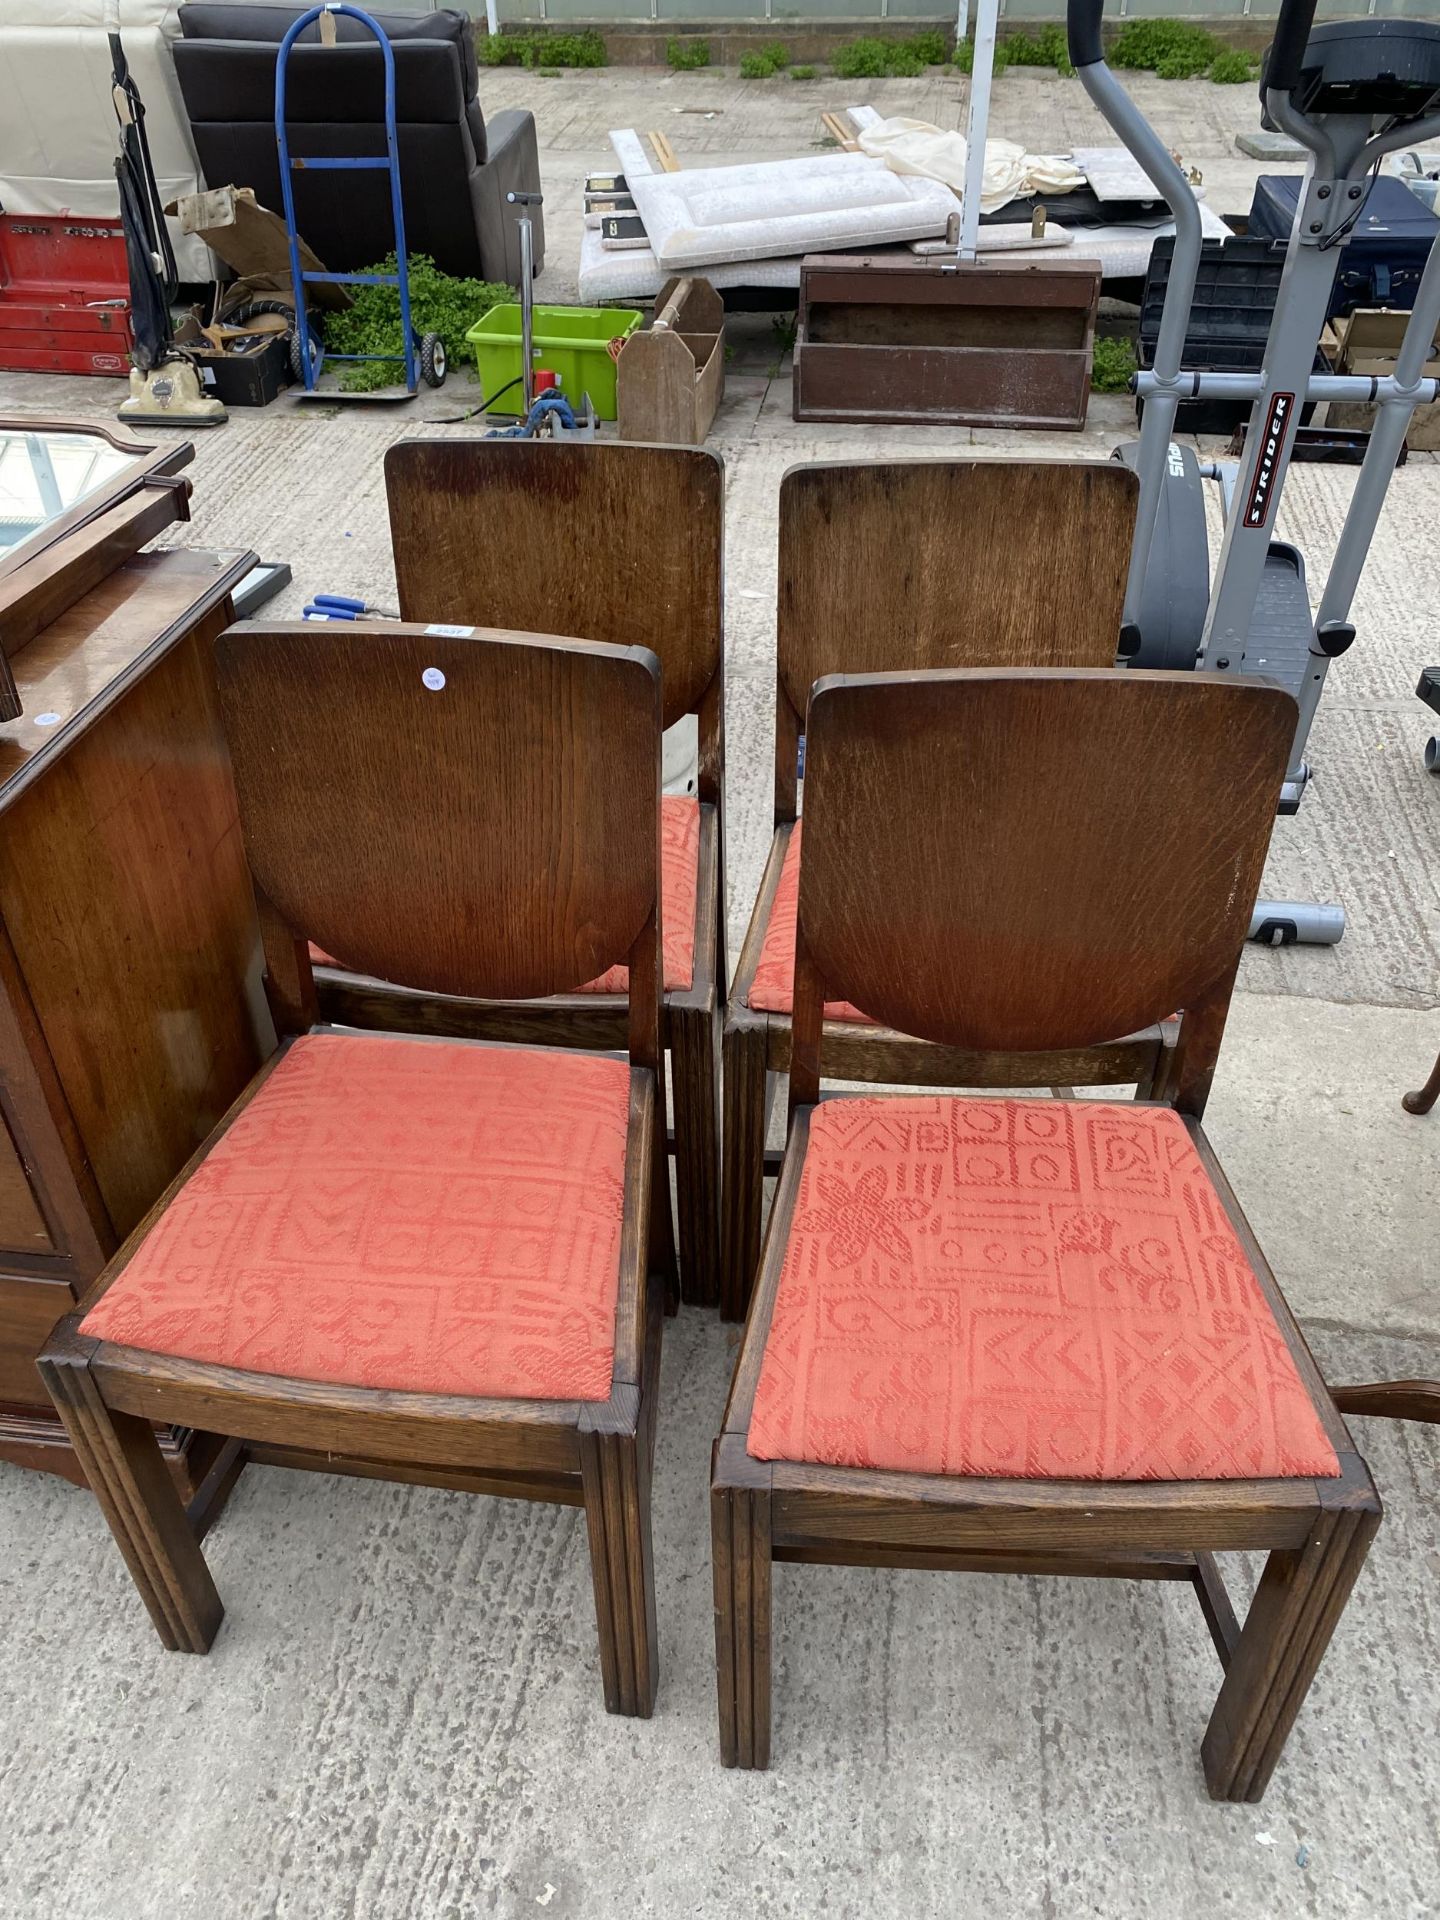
(58, 133)
(914, 147)
(821, 204)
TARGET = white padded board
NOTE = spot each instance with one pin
(824, 203)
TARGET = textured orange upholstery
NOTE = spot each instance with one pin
(1041, 1289)
(417, 1215)
(679, 887)
(773, 988)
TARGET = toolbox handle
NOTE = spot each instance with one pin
(669, 314)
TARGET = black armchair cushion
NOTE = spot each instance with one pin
(324, 86)
(223, 20)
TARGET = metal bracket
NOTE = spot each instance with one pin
(1328, 206)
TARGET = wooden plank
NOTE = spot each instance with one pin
(28, 1310)
(37, 594)
(942, 386)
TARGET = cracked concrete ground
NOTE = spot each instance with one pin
(401, 1716)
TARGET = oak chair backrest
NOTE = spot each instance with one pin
(614, 542)
(907, 565)
(1025, 860)
(470, 814)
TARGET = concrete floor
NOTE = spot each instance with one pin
(402, 1714)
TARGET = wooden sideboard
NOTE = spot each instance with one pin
(131, 1008)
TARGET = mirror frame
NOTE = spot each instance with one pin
(66, 544)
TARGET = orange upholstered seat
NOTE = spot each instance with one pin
(773, 988)
(1041, 1289)
(679, 885)
(429, 1217)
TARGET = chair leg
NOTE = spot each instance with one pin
(1425, 1099)
(615, 1470)
(1297, 1605)
(695, 1068)
(740, 1544)
(743, 1187)
(127, 1472)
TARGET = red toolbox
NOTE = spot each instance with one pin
(64, 294)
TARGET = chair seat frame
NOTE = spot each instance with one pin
(1315, 1532)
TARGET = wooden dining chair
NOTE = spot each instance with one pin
(414, 1259)
(895, 565)
(614, 543)
(1026, 1335)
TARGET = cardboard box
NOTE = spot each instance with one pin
(1366, 342)
(235, 366)
(252, 240)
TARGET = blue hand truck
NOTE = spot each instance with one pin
(426, 356)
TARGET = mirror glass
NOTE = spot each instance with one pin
(44, 473)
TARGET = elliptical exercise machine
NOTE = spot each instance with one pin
(1350, 92)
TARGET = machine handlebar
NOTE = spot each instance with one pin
(1082, 30)
(1287, 49)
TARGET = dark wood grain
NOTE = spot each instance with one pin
(346, 832)
(46, 573)
(34, 596)
(125, 893)
(22, 1225)
(1392, 1399)
(29, 1308)
(741, 1556)
(617, 543)
(898, 565)
(129, 1006)
(945, 901)
(123, 1465)
(991, 342)
(86, 663)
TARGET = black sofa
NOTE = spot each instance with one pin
(455, 168)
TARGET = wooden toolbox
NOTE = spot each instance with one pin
(670, 377)
(991, 343)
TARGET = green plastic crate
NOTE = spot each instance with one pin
(573, 342)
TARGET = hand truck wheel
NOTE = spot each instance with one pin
(432, 360)
(298, 343)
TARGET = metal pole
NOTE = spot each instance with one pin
(287, 197)
(977, 125)
(1384, 388)
(1396, 402)
(1141, 139)
(527, 297)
